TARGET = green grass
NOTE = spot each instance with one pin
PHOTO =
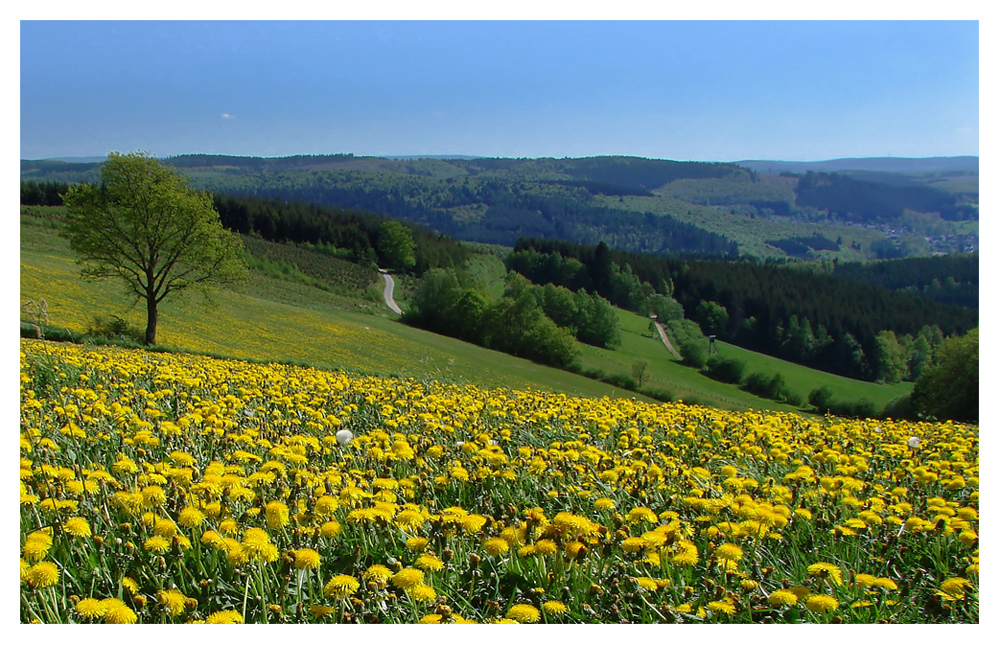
(665, 372)
(274, 318)
(283, 321)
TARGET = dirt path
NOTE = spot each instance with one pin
(666, 341)
(390, 285)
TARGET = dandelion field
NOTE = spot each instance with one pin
(169, 488)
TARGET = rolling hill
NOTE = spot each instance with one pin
(845, 209)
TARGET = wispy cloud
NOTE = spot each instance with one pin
(227, 115)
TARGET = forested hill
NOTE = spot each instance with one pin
(806, 316)
(653, 206)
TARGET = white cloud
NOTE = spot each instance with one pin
(227, 115)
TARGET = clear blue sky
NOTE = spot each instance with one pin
(719, 91)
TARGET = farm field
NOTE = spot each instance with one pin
(172, 488)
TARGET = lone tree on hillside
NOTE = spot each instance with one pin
(146, 227)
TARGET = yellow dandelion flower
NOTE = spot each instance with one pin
(646, 583)
(429, 562)
(406, 578)
(641, 514)
(341, 586)
(721, 607)
(633, 544)
(157, 544)
(331, 529)
(524, 613)
(422, 592)
(554, 607)
(604, 504)
(417, 544)
(431, 619)
(172, 600)
(165, 526)
(117, 612)
(378, 573)
(77, 527)
(90, 608)
(276, 513)
(728, 551)
(575, 549)
(319, 611)
(821, 603)
(190, 517)
(224, 617)
(495, 546)
(546, 547)
(826, 571)
(782, 598)
(35, 549)
(326, 505)
(130, 585)
(953, 586)
(885, 583)
(306, 559)
(864, 580)
(42, 574)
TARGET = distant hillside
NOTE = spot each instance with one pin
(871, 164)
(642, 205)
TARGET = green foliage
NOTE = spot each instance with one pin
(771, 387)
(115, 328)
(395, 245)
(948, 388)
(820, 398)
(693, 354)
(145, 227)
(890, 358)
(712, 317)
(639, 368)
(725, 369)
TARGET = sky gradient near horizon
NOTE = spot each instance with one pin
(685, 90)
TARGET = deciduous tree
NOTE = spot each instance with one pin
(144, 226)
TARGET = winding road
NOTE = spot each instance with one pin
(390, 285)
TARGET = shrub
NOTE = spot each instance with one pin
(820, 398)
(116, 329)
(693, 355)
(727, 370)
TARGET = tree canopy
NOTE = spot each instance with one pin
(948, 388)
(144, 226)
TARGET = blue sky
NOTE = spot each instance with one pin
(711, 91)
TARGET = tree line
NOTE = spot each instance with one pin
(806, 317)
(531, 321)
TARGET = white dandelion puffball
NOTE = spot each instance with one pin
(344, 437)
(914, 442)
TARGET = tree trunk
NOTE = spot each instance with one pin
(150, 320)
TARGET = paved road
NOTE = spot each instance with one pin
(390, 285)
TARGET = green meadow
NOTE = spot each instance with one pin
(286, 317)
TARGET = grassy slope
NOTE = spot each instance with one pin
(664, 372)
(253, 325)
(275, 319)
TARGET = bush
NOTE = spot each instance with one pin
(116, 329)
(820, 398)
(693, 355)
(900, 408)
(727, 370)
(758, 384)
